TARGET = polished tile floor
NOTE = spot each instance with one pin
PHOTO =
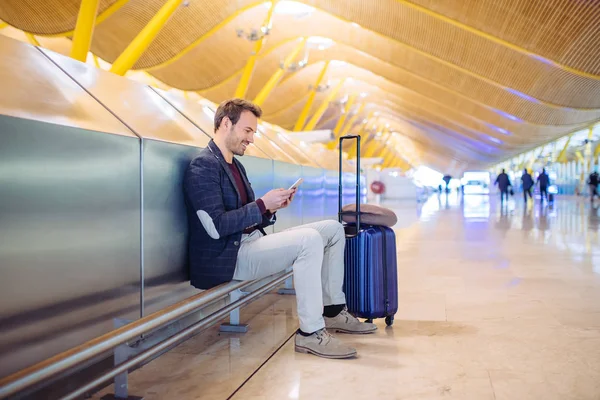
(496, 302)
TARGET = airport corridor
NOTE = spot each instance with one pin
(495, 303)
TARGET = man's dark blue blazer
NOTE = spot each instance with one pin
(216, 217)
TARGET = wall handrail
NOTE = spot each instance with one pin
(69, 359)
(177, 338)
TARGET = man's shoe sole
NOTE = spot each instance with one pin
(351, 332)
(306, 350)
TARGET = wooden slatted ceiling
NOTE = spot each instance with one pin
(382, 51)
(437, 144)
(294, 89)
(528, 67)
(558, 30)
(285, 95)
(447, 41)
(44, 17)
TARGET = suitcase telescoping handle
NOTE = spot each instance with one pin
(342, 138)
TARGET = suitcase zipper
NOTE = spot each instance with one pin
(385, 280)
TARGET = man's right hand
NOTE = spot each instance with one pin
(276, 198)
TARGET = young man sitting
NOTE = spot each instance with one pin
(227, 239)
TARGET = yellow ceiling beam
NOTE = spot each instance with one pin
(326, 121)
(457, 127)
(142, 41)
(352, 152)
(387, 156)
(96, 62)
(450, 107)
(31, 39)
(371, 148)
(402, 111)
(521, 161)
(412, 48)
(352, 120)
(400, 104)
(340, 123)
(377, 144)
(366, 142)
(84, 29)
(588, 149)
(427, 80)
(323, 107)
(394, 157)
(385, 93)
(493, 38)
(562, 156)
(242, 87)
(207, 35)
(390, 159)
(225, 81)
(458, 144)
(533, 158)
(311, 98)
(261, 97)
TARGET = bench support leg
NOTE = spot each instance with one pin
(288, 287)
(234, 325)
(121, 354)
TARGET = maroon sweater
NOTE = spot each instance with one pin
(242, 189)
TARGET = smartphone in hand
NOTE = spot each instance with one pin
(295, 185)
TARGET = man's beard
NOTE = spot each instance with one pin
(233, 144)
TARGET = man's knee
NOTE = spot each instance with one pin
(310, 239)
(333, 229)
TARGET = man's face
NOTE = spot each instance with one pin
(240, 135)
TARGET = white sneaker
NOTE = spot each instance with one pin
(345, 322)
(322, 344)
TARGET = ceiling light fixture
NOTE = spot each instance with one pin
(294, 8)
(320, 42)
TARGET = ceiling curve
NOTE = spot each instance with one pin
(471, 80)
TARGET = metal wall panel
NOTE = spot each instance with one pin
(165, 221)
(260, 175)
(331, 194)
(284, 176)
(70, 200)
(348, 191)
(166, 279)
(141, 108)
(312, 194)
(69, 237)
(34, 88)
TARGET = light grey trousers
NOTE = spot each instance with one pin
(316, 253)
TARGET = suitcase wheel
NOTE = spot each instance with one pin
(389, 320)
(369, 321)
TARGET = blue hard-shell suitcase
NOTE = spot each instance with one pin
(370, 267)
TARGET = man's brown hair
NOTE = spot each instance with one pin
(233, 108)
